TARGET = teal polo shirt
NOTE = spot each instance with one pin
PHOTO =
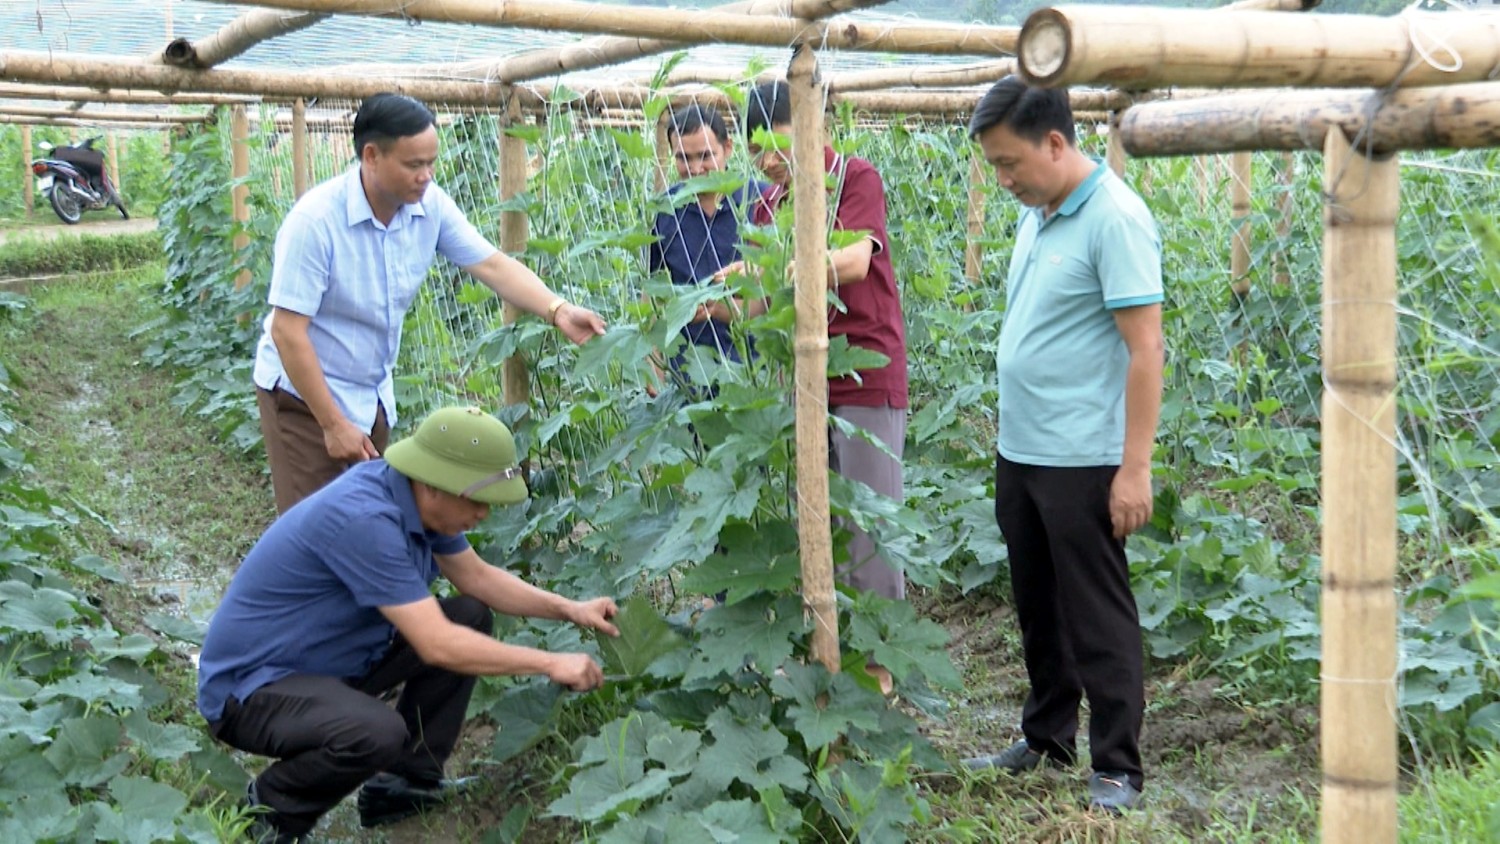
(1061, 361)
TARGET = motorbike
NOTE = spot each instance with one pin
(74, 180)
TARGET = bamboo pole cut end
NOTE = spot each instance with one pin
(1044, 46)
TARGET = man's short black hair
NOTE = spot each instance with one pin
(1027, 111)
(766, 106)
(385, 118)
(693, 117)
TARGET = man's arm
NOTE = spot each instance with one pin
(514, 282)
(504, 592)
(1130, 498)
(343, 439)
(463, 650)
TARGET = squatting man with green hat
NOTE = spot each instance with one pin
(333, 607)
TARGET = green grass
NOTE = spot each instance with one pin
(1454, 804)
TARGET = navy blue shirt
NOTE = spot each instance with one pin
(692, 246)
(306, 599)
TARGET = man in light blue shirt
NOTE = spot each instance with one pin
(1080, 376)
(348, 262)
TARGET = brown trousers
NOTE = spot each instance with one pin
(300, 465)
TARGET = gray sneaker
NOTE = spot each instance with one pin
(1014, 759)
(1112, 792)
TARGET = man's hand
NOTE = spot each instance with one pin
(729, 270)
(578, 324)
(578, 672)
(594, 614)
(346, 442)
(1130, 500)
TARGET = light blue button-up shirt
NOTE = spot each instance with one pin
(355, 278)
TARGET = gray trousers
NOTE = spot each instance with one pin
(860, 461)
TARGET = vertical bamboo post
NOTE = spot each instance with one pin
(26, 187)
(1359, 496)
(239, 134)
(299, 147)
(810, 217)
(663, 153)
(1239, 212)
(973, 251)
(1284, 219)
(515, 228)
(112, 143)
(1114, 148)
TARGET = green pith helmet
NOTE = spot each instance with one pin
(465, 451)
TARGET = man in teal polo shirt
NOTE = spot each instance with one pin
(1080, 376)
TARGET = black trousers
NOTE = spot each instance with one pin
(331, 735)
(1080, 629)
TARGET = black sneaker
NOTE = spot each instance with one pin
(1112, 792)
(1015, 759)
(388, 798)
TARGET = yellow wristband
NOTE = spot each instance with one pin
(553, 308)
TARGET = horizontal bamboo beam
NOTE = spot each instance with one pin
(235, 37)
(74, 69)
(102, 116)
(112, 95)
(1450, 116)
(921, 77)
(1140, 47)
(603, 50)
(70, 123)
(692, 26)
(1272, 5)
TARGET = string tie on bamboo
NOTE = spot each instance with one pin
(1418, 25)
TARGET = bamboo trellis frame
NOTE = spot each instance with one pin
(1142, 47)
(80, 95)
(234, 38)
(693, 25)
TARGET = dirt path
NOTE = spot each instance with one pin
(95, 224)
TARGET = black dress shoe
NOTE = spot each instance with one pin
(264, 828)
(388, 798)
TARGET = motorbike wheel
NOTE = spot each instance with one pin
(66, 204)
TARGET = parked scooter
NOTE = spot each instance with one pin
(74, 180)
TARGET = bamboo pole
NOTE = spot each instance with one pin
(1440, 117)
(664, 154)
(101, 116)
(514, 231)
(73, 125)
(1284, 219)
(692, 26)
(80, 95)
(1141, 47)
(1273, 5)
(604, 50)
(973, 249)
(300, 180)
(73, 69)
(1239, 212)
(1359, 497)
(921, 77)
(234, 38)
(1114, 150)
(27, 196)
(239, 129)
(112, 144)
(810, 280)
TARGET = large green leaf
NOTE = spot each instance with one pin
(825, 706)
(759, 630)
(752, 558)
(146, 812)
(900, 641)
(523, 716)
(164, 742)
(84, 751)
(44, 611)
(644, 637)
(44, 815)
(751, 751)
